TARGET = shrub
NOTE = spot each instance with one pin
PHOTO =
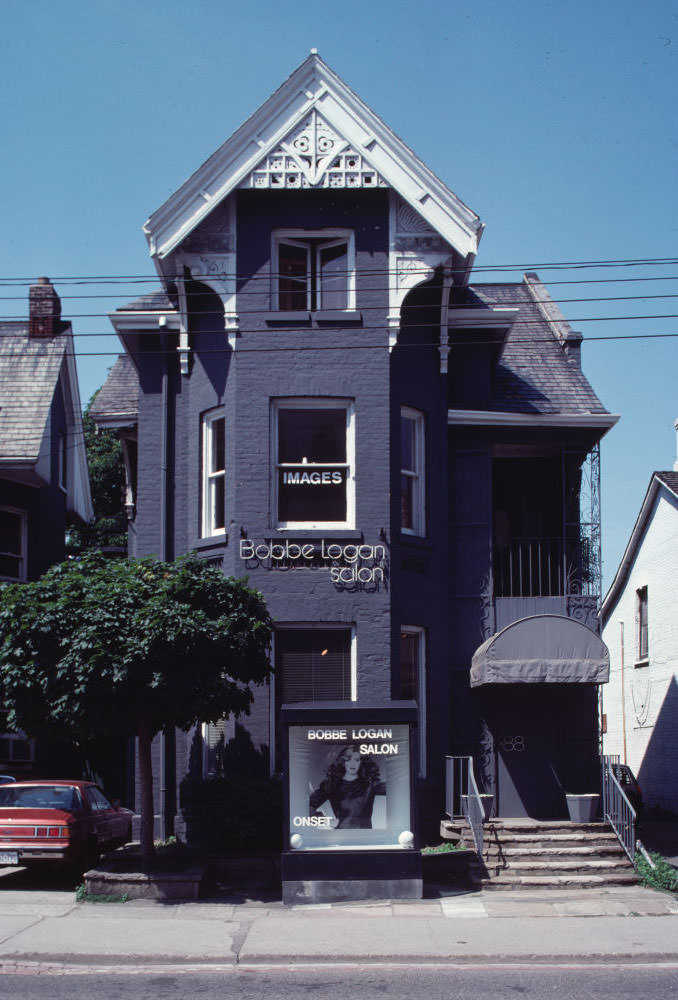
(662, 876)
(242, 813)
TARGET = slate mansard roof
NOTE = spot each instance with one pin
(534, 376)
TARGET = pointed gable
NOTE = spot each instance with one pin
(314, 132)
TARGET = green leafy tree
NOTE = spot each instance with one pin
(107, 483)
(102, 648)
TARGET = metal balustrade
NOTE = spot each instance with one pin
(541, 567)
(462, 797)
(617, 809)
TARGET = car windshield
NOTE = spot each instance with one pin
(39, 797)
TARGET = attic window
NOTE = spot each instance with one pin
(313, 270)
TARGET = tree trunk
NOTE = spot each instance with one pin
(146, 790)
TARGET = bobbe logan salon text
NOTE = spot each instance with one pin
(349, 786)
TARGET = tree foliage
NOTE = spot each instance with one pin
(107, 483)
(101, 647)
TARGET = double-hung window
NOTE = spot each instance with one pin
(313, 445)
(12, 544)
(213, 474)
(413, 682)
(313, 270)
(412, 472)
(642, 647)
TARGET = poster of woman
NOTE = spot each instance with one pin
(350, 786)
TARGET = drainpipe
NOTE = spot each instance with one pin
(623, 693)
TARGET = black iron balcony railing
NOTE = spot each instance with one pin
(542, 567)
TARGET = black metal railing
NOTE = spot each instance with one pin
(540, 567)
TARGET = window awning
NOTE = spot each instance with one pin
(542, 649)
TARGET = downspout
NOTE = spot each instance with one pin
(164, 434)
(623, 693)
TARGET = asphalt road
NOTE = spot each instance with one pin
(503, 982)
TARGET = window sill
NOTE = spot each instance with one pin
(294, 533)
(320, 317)
(282, 318)
(212, 541)
(418, 541)
(639, 664)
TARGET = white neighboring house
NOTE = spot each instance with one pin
(640, 627)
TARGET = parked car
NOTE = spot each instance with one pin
(59, 822)
(630, 786)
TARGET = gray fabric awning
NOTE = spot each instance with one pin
(542, 649)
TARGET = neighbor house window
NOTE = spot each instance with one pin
(412, 497)
(12, 544)
(413, 682)
(641, 619)
(313, 449)
(213, 474)
(313, 270)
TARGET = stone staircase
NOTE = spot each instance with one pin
(526, 853)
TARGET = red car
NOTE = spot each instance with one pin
(67, 822)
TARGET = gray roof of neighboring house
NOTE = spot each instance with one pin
(535, 374)
(117, 402)
(669, 479)
(29, 370)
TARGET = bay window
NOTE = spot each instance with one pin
(213, 474)
(313, 447)
(412, 495)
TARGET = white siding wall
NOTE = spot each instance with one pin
(650, 692)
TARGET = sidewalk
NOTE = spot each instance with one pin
(51, 929)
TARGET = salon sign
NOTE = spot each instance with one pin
(346, 563)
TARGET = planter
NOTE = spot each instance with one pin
(487, 803)
(121, 877)
(582, 808)
(449, 867)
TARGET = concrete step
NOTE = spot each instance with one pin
(593, 866)
(513, 881)
(507, 851)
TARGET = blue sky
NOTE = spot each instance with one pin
(555, 122)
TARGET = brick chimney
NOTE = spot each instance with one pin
(44, 307)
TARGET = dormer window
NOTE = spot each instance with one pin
(313, 271)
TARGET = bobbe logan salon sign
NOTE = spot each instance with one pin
(346, 563)
(349, 786)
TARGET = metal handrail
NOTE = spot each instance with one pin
(462, 797)
(617, 809)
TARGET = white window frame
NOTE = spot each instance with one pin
(642, 634)
(419, 633)
(211, 477)
(418, 473)
(313, 403)
(22, 555)
(273, 703)
(210, 733)
(308, 239)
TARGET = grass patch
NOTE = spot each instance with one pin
(82, 896)
(663, 876)
(447, 847)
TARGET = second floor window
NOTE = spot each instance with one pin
(213, 474)
(313, 271)
(641, 624)
(412, 498)
(313, 443)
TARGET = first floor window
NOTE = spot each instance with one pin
(413, 682)
(313, 445)
(641, 623)
(412, 497)
(313, 270)
(213, 474)
(215, 738)
(12, 544)
(313, 664)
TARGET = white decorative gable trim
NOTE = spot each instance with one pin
(263, 151)
(416, 250)
(313, 155)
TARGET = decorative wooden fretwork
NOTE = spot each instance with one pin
(313, 155)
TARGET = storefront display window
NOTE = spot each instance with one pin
(349, 786)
